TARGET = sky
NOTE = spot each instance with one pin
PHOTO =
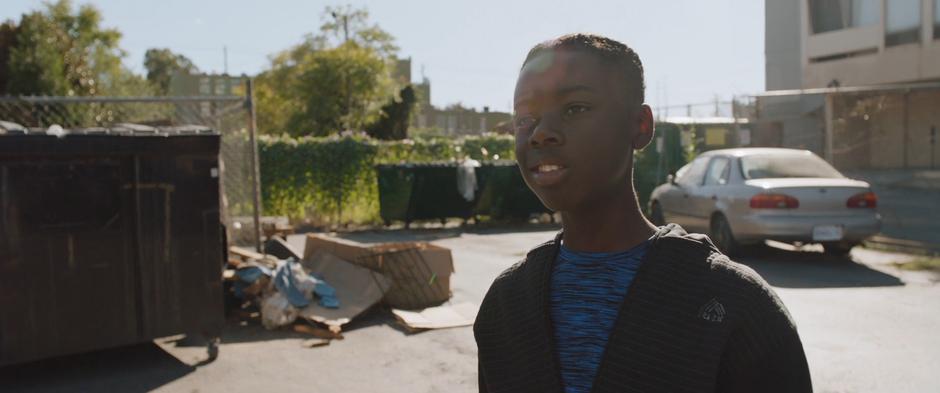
(693, 51)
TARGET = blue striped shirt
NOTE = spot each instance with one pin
(587, 290)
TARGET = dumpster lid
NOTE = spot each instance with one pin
(119, 129)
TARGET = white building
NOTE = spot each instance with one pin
(857, 81)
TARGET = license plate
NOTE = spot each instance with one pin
(824, 233)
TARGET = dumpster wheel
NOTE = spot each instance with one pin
(212, 348)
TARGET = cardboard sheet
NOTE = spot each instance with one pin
(357, 288)
(420, 272)
(439, 317)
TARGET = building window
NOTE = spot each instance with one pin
(936, 19)
(902, 22)
(220, 85)
(204, 86)
(832, 15)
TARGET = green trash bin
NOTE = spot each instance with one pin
(420, 191)
(504, 194)
(435, 194)
(428, 191)
(395, 186)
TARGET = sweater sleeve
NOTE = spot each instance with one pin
(481, 379)
(764, 353)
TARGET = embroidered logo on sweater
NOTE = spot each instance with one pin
(712, 311)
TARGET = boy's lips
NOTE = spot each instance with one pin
(548, 173)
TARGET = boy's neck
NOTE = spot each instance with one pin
(615, 224)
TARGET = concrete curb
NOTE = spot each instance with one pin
(903, 245)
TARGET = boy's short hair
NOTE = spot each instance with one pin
(608, 50)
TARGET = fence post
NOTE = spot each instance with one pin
(828, 124)
(255, 171)
(933, 144)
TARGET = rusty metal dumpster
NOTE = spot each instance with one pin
(108, 237)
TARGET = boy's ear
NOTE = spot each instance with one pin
(645, 126)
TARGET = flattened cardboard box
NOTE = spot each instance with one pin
(420, 271)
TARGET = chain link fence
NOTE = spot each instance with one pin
(739, 106)
(228, 115)
(867, 128)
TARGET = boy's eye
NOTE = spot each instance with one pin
(575, 109)
(523, 122)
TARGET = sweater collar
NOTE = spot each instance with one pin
(544, 257)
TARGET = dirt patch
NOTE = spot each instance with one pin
(920, 264)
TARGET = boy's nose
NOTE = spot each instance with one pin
(546, 133)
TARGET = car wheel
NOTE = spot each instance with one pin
(722, 236)
(656, 215)
(838, 249)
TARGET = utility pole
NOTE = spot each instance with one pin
(225, 58)
(933, 146)
(346, 81)
(829, 122)
(734, 116)
(253, 160)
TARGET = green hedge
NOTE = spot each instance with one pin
(331, 180)
(651, 167)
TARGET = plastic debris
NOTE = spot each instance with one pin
(467, 178)
(56, 131)
(292, 281)
(276, 311)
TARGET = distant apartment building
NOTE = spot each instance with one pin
(185, 84)
(454, 120)
(457, 120)
(857, 81)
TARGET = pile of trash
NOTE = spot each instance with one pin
(337, 280)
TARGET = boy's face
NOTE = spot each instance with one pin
(576, 129)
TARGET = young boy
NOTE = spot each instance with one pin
(613, 303)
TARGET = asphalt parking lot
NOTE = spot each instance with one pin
(866, 327)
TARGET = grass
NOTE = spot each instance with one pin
(920, 263)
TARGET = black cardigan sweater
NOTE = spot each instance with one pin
(692, 321)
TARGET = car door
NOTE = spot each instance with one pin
(676, 208)
(669, 195)
(703, 200)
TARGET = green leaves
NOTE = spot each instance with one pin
(329, 83)
(331, 180)
(161, 64)
(57, 51)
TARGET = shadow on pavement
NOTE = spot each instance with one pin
(433, 234)
(136, 368)
(807, 269)
(252, 331)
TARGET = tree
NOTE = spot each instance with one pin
(347, 24)
(57, 51)
(338, 79)
(7, 40)
(161, 64)
(396, 115)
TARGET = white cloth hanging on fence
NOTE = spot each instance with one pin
(467, 178)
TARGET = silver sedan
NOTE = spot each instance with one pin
(748, 195)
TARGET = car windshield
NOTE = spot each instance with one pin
(764, 166)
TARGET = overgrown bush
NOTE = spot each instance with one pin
(331, 180)
(650, 167)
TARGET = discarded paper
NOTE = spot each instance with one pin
(419, 271)
(317, 332)
(440, 317)
(356, 288)
(315, 342)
